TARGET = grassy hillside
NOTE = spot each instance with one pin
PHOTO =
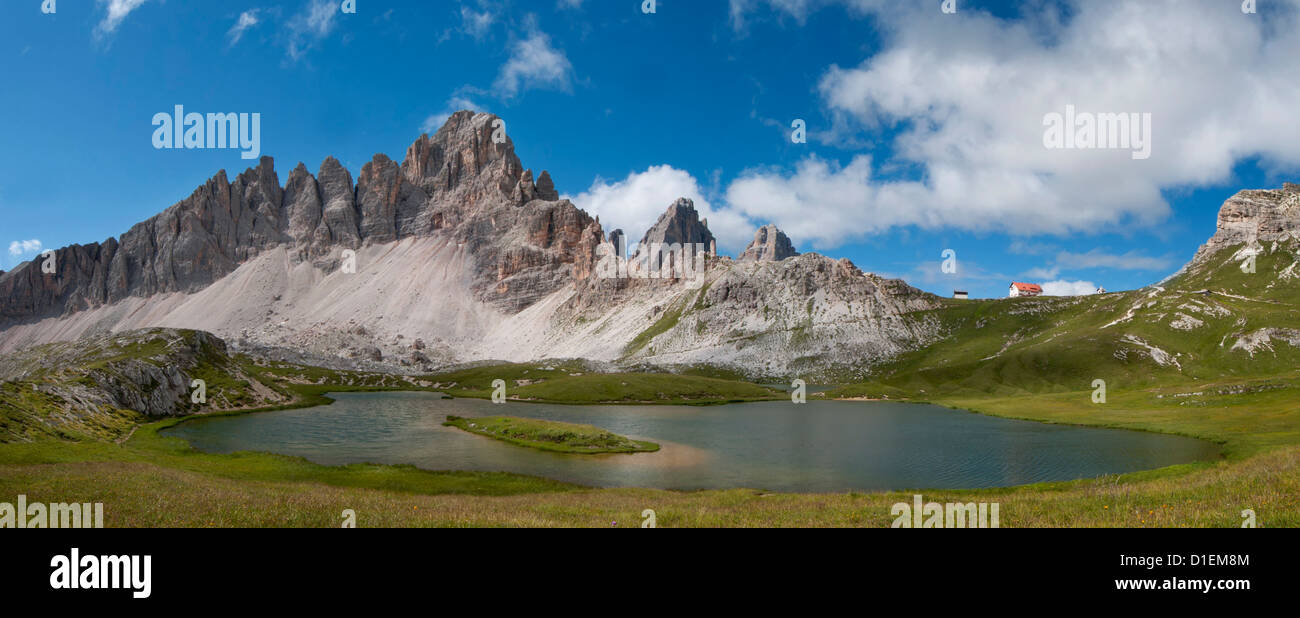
(100, 387)
(1213, 353)
(1212, 323)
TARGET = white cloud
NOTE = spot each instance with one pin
(534, 63)
(454, 104)
(311, 25)
(798, 9)
(19, 248)
(1097, 258)
(115, 11)
(1042, 272)
(739, 9)
(820, 202)
(568, 4)
(247, 20)
(1069, 288)
(636, 202)
(476, 23)
(967, 94)
(1092, 259)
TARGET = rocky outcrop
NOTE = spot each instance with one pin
(618, 240)
(149, 371)
(770, 244)
(546, 188)
(679, 224)
(1256, 218)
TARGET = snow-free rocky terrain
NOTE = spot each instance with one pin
(457, 254)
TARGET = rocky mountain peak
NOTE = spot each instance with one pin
(1256, 217)
(680, 224)
(465, 180)
(770, 244)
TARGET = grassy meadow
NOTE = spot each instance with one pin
(1205, 354)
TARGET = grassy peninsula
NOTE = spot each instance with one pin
(551, 436)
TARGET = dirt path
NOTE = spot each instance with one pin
(123, 439)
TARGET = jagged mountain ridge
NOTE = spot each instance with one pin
(458, 179)
(457, 248)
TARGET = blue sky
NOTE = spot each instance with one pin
(925, 129)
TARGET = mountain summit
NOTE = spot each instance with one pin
(456, 247)
(770, 244)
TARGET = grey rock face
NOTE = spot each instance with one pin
(302, 205)
(182, 249)
(770, 244)
(508, 241)
(339, 212)
(679, 224)
(546, 188)
(1254, 218)
(619, 240)
(525, 191)
(526, 242)
(148, 371)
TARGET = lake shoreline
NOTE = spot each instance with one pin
(767, 445)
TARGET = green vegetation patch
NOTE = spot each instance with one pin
(642, 388)
(551, 435)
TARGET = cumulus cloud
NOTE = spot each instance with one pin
(20, 248)
(534, 63)
(963, 98)
(454, 104)
(246, 20)
(815, 202)
(635, 203)
(114, 12)
(1069, 288)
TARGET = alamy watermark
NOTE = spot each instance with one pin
(654, 261)
(56, 515)
(950, 515)
(90, 572)
(200, 131)
(1103, 131)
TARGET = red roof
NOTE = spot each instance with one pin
(1027, 287)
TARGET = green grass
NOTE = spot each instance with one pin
(573, 382)
(627, 388)
(551, 435)
(1195, 495)
(665, 323)
(148, 447)
(1032, 359)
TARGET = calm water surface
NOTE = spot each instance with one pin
(819, 446)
